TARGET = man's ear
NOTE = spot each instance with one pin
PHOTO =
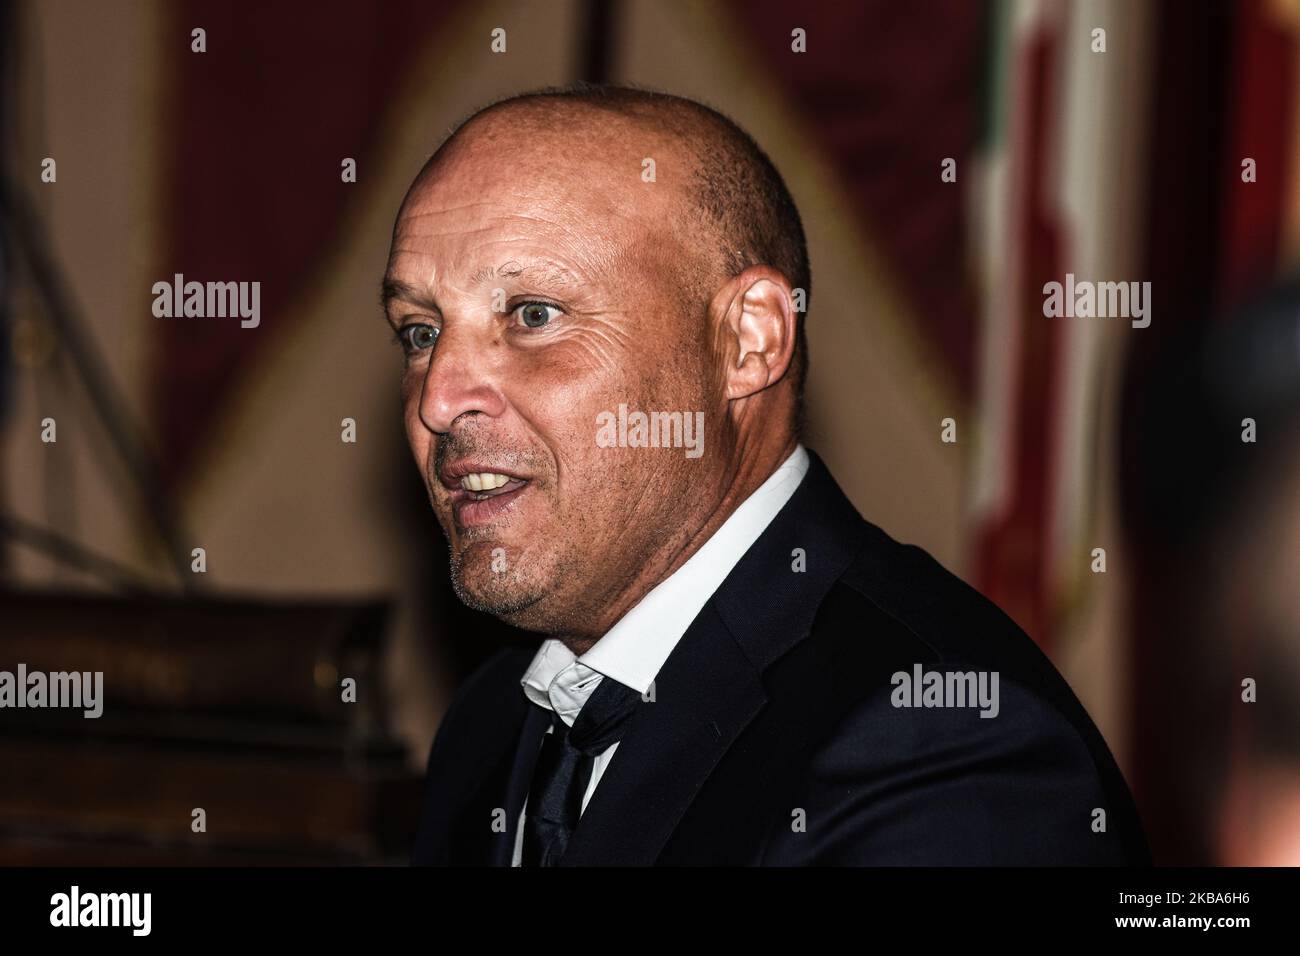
(757, 328)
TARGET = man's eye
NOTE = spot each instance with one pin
(417, 337)
(535, 314)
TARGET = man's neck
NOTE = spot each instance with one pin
(752, 471)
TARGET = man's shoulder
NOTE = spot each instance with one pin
(915, 672)
(917, 604)
(896, 618)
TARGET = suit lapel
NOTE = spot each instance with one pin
(704, 696)
(517, 784)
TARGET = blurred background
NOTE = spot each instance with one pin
(1164, 148)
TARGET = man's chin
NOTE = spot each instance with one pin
(524, 586)
(500, 593)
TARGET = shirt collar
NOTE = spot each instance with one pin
(559, 681)
(633, 650)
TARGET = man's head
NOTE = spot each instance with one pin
(567, 260)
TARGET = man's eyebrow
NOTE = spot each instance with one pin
(537, 270)
(394, 289)
(547, 272)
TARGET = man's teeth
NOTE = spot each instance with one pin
(483, 481)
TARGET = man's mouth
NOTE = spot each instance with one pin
(485, 482)
(480, 495)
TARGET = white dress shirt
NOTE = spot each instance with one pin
(634, 649)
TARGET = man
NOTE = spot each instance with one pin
(598, 291)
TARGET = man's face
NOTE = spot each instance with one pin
(537, 287)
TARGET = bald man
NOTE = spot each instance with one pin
(600, 294)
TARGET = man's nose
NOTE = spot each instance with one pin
(461, 379)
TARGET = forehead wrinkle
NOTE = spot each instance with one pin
(520, 205)
(561, 214)
(568, 259)
(412, 210)
(596, 255)
(413, 240)
(537, 268)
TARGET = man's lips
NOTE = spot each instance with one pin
(479, 491)
(479, 507)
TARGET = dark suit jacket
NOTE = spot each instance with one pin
(773, 736)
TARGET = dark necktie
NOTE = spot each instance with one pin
(564, 767)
